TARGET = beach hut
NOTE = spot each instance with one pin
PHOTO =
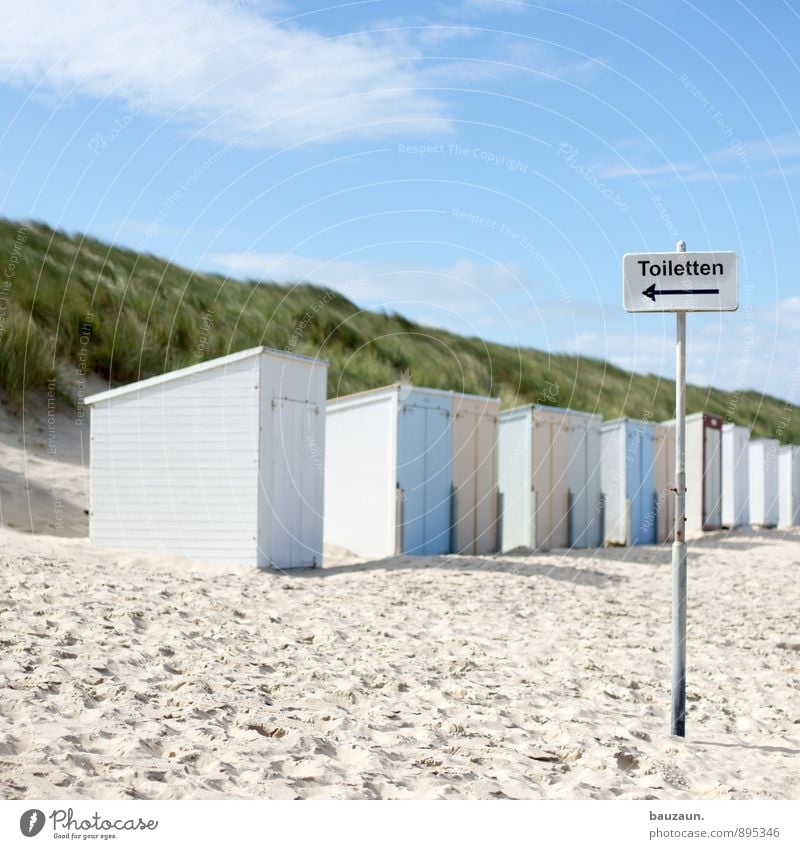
(789, 486)
(735, 475)
(549, 478)
(388, 471)
(628, 482)
(221, 461)
(664, 481)
(703, 472)
(475, 426)
(585, 519)
(763, 473)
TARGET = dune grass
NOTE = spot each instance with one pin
(72, 303)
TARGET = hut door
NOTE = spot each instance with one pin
(423, 472)
(551, 455)
(633, 455)
(640, 486)
(294, 476)
(712, 478)
(474, 437)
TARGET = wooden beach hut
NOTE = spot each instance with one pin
(764, 489)
(475, 429)
(789, 486)
(664, 480)
(628, 481)
(221, 461)
(735, 475)
(549, 478)
(388, 471)
(703, 472)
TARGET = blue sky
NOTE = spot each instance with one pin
(481, 166)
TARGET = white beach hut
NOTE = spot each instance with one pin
(549, 478)
(789, 486)
(221, 461)
(628, 482)
(664, 480)
(763, 473)
(475, 426)
(735, 475)
(411, 470)
(585, 525)
(388, 471)
(703, 472)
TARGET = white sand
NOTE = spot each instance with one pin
(44, 480)
(541, 677)
(133, 675)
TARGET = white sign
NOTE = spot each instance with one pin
(671, 282)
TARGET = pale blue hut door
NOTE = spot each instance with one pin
(640, 485)
(423, 474)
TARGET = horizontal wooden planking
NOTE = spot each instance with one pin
(228, 554)
(175, 461)
(221, 481)
(197, 546)
(240, 537)
(145, 501)
(175, 467)
(173, 529)
(142, 503)
(132, 429)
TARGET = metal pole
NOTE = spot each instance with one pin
(678, 719)
(570, 520)
(399, 518)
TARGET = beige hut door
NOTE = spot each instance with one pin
(474, 462)
(551, 452)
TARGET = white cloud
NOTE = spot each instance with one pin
(473, 9)
(532, 63)
(775, 149)
(463, 296)
(776, 156)
(237, 68)
(220, 67)
(785, 313)
(642, 353)
(752, 349)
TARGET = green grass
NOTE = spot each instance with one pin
(72, 300)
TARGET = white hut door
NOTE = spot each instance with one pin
(582, 471)
(712, 483)
(291, 491)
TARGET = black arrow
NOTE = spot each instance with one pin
(651, 292)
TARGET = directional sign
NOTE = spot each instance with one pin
(671, 282)
(680, 282)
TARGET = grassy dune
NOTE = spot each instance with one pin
(71, 305)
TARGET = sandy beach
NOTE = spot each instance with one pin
(128, 675)
(419, 277)
(133, 675)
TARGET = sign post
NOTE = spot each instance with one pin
(678, 712)
(680, 282)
